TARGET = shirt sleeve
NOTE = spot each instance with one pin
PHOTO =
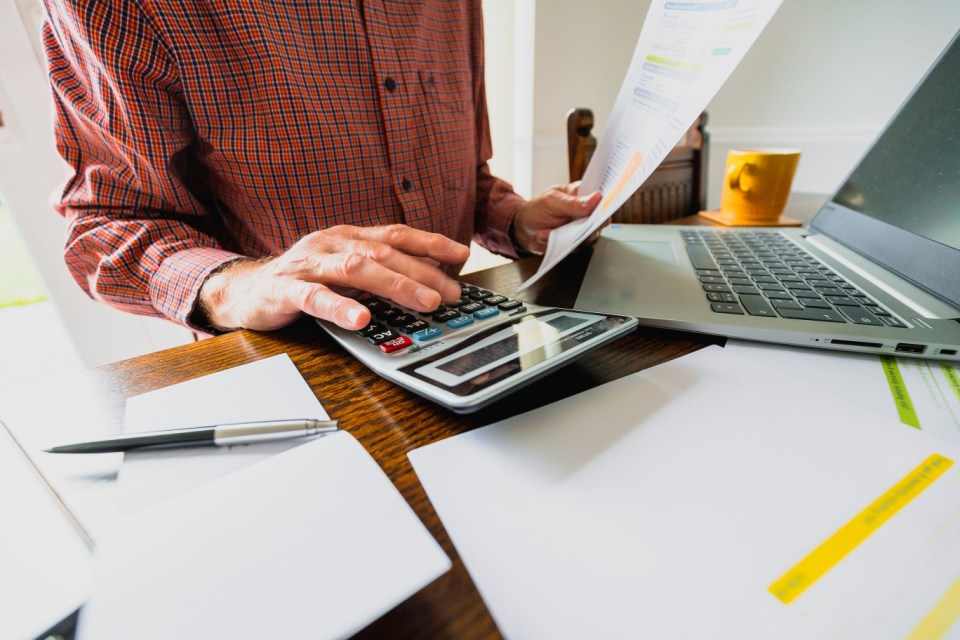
(140, 234)
(497, 203)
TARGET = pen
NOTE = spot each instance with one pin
(220, 435)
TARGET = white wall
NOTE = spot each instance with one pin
(824, 76)
(30, 173)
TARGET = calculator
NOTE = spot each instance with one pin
(482, 347)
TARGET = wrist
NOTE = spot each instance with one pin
(519, 246)
(215, 311)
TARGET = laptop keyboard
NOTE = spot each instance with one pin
(764, 274)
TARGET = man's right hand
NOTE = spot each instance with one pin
(395, 262)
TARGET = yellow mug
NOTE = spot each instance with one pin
(757, 184)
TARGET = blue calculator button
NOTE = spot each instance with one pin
(483, 314)
(427, 334)
(462, 321)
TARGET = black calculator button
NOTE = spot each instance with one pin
(494, 300)
(387, 314)
(469, 308)
(439, 309)
(370, 329)
(416, 325)
(480, 294)
(509, 304)
(467, 289)
(382, 336)
(449, 314)
(401, 319)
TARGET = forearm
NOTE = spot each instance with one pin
(147, 266)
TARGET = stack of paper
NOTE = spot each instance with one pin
(313, 542)
(706, 497)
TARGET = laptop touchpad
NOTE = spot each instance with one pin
(650, 251)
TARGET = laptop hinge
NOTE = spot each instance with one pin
(931, 308)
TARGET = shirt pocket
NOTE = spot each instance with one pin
(451, 126)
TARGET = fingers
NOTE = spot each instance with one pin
(320, 302)
(410, 241)
(397, 263)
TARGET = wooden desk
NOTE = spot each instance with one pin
(388, 420)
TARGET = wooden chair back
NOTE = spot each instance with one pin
(677, 188)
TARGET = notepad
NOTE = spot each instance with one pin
(703, 498)
(267, 389)
(312, 542)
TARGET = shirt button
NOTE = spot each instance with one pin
(406, 184)
(390, 84)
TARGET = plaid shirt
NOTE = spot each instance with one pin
(200, 131)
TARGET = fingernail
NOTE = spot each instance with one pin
(353, 315)
(428, 298)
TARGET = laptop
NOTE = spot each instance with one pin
(876, 271)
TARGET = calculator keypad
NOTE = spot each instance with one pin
(393, 329)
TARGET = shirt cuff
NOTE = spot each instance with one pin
(496, 235)
(175, 287)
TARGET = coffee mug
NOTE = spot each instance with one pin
(757, 184)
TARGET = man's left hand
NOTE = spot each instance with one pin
(551, 209)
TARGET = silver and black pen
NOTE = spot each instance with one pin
(216, 435)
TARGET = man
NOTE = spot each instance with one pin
(237, 164)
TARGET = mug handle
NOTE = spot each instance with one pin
(734, 173)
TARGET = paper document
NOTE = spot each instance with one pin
(45, 565)
(268, 389)
(703, 498)
(686, 51)
(313, 542)
(922, 394)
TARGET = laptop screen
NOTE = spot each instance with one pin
(901, 204)
(910, 178)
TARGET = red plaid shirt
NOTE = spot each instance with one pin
(200, 131)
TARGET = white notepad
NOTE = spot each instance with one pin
(312, 542)
(678, 501)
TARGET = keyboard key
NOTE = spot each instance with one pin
(721, 297)
(509, 304)
(712, 280)
(787, 304)
(726, 307)
(823, 315)
(859, 315)
(719, 288)
(751, 291)
(700, 257)
(816, 303)
(757, 306)
(890, 321)
(850, 302)
(778, 295)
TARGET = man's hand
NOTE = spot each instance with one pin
(553, 208)
(394, 262)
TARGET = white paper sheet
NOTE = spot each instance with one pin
(686, 51)
(268, 389)
(668, 504)
(923, 394)
(314, 542)
(45, 566)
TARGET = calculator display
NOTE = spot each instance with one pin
(508, 350)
